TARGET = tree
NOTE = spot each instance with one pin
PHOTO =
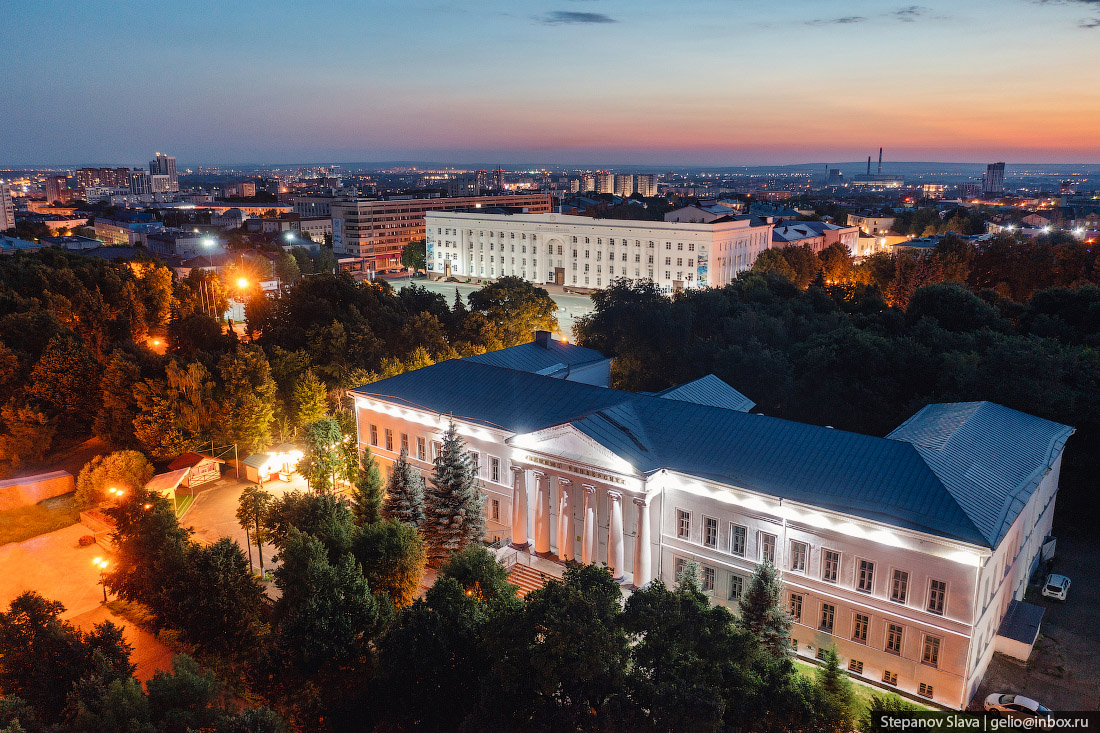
(321, 515)
(804, 261)
(252, 511)
(392, 556)
(42, 656)
(66, 380)
(325, 461)
(404, 492)
(836, 263)
(480, 575)
(29, 434)
(836, 693)
(325, 261)
(882, 704)
(453, 515)
(310, 399)
(287, 269)
(762, 612)
(247, 398)
(516, 308)
(125, 470)
(195, 333)
(185, 699)
(178, 413)
(326, 614)
(114, 422)
(773, 261)
(952, 307)
(414, 255)
(366, 494)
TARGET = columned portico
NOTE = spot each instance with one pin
(565, 519)
(615, 553)
(542, 512)
(643, 560)
(589, 542)
(519, 507)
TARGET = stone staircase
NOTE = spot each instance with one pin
(527, 578)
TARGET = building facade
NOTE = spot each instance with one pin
(379, 229)
(7, 207)
(647, 184)
(591, 253)
(165, 165)
(906, 552)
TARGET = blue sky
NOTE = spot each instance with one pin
(600, 81)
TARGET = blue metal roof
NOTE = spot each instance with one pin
(956, 471)
(709, 390)
(555, 356)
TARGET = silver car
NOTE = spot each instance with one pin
(1056, 587)
(1015, 705)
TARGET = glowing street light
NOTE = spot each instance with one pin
(242, 283)
(102, 563)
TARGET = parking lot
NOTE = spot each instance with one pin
(1063, 672)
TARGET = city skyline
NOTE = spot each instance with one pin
(711, 83)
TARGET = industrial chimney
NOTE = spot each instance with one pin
(868, 165)
(880, 161)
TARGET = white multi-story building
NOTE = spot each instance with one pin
(910, 553)
(647, 184)
(591, 253)
(605, 182)
(624, 184)
(7, 208)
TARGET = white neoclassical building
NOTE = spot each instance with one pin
(910, 553)
(579, 251)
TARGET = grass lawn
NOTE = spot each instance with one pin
(861, 691)
(25, 522)
(183, 503)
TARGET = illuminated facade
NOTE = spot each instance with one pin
(579, 251)
(906, 552)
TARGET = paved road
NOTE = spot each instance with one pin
(570, 305)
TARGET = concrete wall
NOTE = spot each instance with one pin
(30, 490)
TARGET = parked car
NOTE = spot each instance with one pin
(1056, 587)
(1015, 705)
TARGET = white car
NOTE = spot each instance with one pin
(1016, 705)
(1056, 587)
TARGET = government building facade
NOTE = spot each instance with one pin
(911, 553)
(582, 252)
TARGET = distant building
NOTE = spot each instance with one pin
(185, 244)
(624, 184)
(11, 245)
(589, 183)
(934, 190)
(97, 194)
(379, 229)
(701, 213)
(160, 183)
(605, 182)
(229, 219)
(57, 189)
(970, 189)
(141, 183)
(818, 235)
(582, 252)
(165, 165)
(130, 231)
(468, 184)
(647, 184)
(313, 205)
(872, 222)
(7, 208)
(72, 243)
(103, 178)
(244, 189)
(993, 182)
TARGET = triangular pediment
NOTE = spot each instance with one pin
(567, 442)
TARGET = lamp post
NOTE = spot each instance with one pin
(102, 563)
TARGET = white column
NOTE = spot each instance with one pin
(615, 553)
(588, 537)
(519, 507)
(565, 520)
(643, 560)
(542, 512)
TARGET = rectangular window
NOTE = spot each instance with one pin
(899, 587)
(866, 580)
(389, 439)
(374, 435)
(421, 449)
(494, 510)
(405, 442)
(828, 614)
(681, 565)
(475, 460)
(859, 628)
(890, 678)
(710, 532)
(924, 690)
(683, 524)
(437, 448)
(821, 652)
(937, 593)
(798, 556)
(737, 587)
(830, 565)
(708, 579)
(767, 547)
(893, 638)
(737, 539)
(494, 468)
(855, 666)
(931, 654)
(796, 607)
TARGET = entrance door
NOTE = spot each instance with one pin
(559, 276)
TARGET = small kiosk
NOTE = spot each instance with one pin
(203, 469)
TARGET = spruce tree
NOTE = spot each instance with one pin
(762, 612)
(453, 501)
(404, 493)
(366, 494)
(836, 692)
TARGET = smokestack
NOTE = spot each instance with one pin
(868, 165)
(880, 161)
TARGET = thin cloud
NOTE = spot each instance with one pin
(846, 20)
(1089, 23)
(910, 14)
(569, 17)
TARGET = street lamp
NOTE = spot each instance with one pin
(242, 283)
(102, 564)
(209, 242)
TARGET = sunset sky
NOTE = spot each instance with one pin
(713, 82)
